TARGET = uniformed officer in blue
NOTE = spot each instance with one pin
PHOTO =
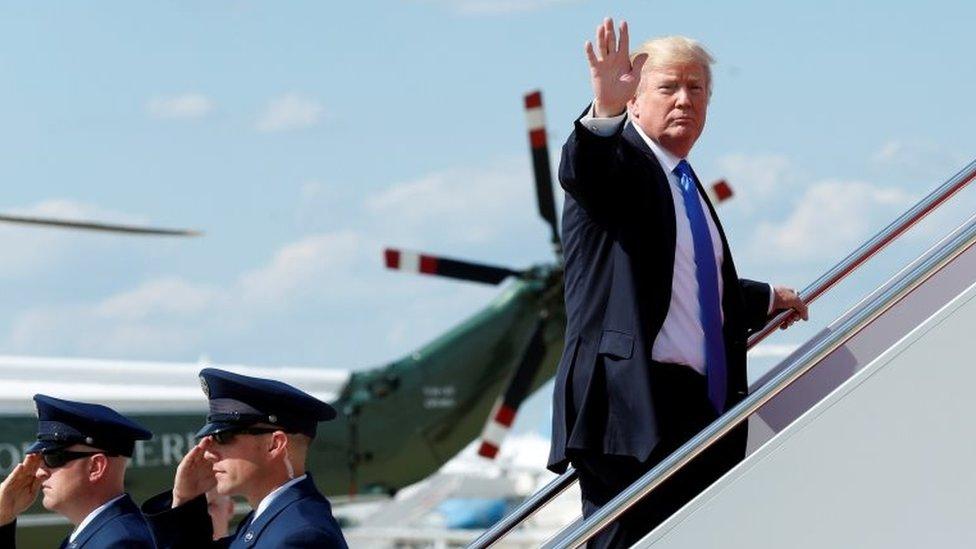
(78, 463)
(254, 445)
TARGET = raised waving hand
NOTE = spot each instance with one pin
(613, 76)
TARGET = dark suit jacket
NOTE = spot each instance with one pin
(619, 235)
(118, 526)
(299, 517)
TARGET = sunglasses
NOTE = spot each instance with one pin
(226, 437)
(60, 458)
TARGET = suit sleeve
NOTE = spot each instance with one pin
(8, 535)
(127, 544)
(757, 297)
(185, 527)
(589, 166)
(314, 538)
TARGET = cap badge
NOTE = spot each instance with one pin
(205, 387)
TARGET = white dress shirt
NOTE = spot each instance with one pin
(91, 516)
(268, 499)
(681, 339)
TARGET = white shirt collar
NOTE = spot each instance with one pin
(664, 157)
(91, 516)
(268, 499)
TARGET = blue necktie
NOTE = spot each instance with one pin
(706, 273)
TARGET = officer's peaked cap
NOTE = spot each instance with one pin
(238, 401)
(63, 423)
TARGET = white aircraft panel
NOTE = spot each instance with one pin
(861, 349)
(137, 386)
(886, 461)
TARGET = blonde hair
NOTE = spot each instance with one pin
(668, 51)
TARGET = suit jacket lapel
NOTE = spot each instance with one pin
(655, 235)
(123, 506)
(243, 528)
(632, 137)
(659, 193)
(247, 537)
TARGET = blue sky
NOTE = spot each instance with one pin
(305, 136)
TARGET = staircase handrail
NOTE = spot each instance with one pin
(841, 270)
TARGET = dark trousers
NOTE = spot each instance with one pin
(683, 410)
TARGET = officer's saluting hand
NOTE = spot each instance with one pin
(19, 490)
(194, 476)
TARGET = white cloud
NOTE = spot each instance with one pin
(187, 105)
(170, 315)
(290, 112)
(304, 268)
(169, 296)
(829, 218)
(755, 176)
(82, 330)
(468, 205)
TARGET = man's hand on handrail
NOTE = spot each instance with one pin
(787, 298)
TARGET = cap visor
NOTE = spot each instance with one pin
(330, 413)
(216, 427)
(45, 445)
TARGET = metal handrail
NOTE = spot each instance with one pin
(845, 267)
(526, 509)
(871, 248)
(963, 239)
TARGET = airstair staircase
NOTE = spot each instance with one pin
(863, 437)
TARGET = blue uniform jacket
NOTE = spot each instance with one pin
(118, 526)
(299, 517)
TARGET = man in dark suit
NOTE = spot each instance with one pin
(254, 445)
(79, 463)
(657, 317)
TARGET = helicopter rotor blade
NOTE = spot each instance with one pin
(96, 226)
(401, 260)
(506, 407)
(719, 191)
(535, 118)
